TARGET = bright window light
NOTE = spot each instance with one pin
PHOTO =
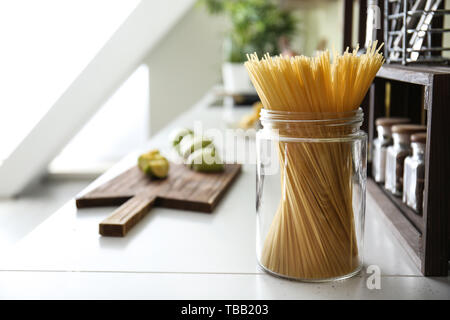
(44, 46)
(118, 128)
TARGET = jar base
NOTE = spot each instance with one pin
(343, 277)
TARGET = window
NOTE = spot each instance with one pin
(118, 128)
(38, 63)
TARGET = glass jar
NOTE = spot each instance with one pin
(311, 186)
(414, 175)
(380, 145)
(396, 155)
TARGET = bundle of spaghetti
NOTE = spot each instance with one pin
(313, 235)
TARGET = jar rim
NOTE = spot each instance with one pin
(267, 115)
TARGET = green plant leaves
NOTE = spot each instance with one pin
(257, 26)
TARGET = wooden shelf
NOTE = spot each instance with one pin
(415, 74)
(410, 214)
(421, 93)
(404, 230)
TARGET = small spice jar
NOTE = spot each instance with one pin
(380, 145)
(396, 154)
(414, 173)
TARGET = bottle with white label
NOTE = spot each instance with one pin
(414, 173)
(380, 145)
(396, 154)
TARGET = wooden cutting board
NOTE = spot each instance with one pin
(136, 194)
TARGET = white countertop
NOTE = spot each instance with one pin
(175, 254)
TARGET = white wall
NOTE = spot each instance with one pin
(184, 65)
(324, 20)
(446, 40)
(120, 56)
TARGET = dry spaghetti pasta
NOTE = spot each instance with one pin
(312, 235)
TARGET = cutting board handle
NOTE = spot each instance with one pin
(127, 215)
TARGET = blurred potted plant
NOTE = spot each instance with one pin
(256, 26)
